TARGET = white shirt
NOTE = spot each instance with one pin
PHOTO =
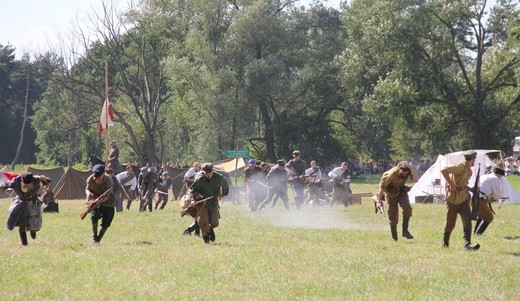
(190, 174)
(316, 176)
(133, 183)
(492, 186)
(338, 172)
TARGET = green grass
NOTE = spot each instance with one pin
(318, 253)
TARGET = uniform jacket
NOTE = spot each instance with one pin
(215, 186)
(460, 174)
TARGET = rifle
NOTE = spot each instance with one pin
(191, 210)
(475, 196)
(95, 204)
(379, 206)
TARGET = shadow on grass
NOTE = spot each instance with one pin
(515, 254)
(512, 237)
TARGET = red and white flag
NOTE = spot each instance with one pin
(107, 116)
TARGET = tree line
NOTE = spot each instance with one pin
(188, 80)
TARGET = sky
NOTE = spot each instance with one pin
(32, 25)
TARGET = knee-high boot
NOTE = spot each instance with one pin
(481, 228)
(446, 239)
(193, 227)
(101, 233)
(467, 239)
(23, 235)
(393, 230)
(94, 232)
(406, 221)
(477, 224)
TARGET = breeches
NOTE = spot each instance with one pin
(393, 210)
(484, 211)
(314, 191)
(451, 216)
(129, 195)
(208, 219)
(106, 214)
(298, 189)
(162, 198)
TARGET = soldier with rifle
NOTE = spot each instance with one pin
(490, 191)
(392, 184)
(296, 168)
(208, 184)
(277, 184)
(313, 177)
(458, 198)
(341, 192)
(100, 184)
(128, 181)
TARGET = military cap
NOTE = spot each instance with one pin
(296, 153)
(98, 170)
(469, 154)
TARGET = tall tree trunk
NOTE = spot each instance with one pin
(269, 132)
(24, 123)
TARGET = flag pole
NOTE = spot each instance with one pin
(107, 134)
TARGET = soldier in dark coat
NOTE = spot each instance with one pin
(277, 181)
(25, 211)
(147, 186)
(163, 185)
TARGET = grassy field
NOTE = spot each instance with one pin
(318, 253)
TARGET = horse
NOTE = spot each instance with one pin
(93, 160)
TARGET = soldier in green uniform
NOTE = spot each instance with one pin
(208, 184)
(458, 198)
(392, 184)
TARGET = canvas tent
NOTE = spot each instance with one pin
(230, 166)
(54, 174)
(424, 187)
(177, 175)
(72, 184)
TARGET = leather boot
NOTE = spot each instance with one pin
(467, 238)
(197, 229)
(477, 224)
(101, 233)
(193, 227)
(446, 239)
(33, 234)
(212, 235)
(23, 235)
(206, 238)
(406, 221)
(95, 233)
(481, 228)
(393, 230)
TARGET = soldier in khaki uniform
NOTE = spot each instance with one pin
(458, 198)
(392, 184)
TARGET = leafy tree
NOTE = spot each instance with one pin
(436, 54)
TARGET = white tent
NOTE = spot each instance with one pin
(425, 188)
